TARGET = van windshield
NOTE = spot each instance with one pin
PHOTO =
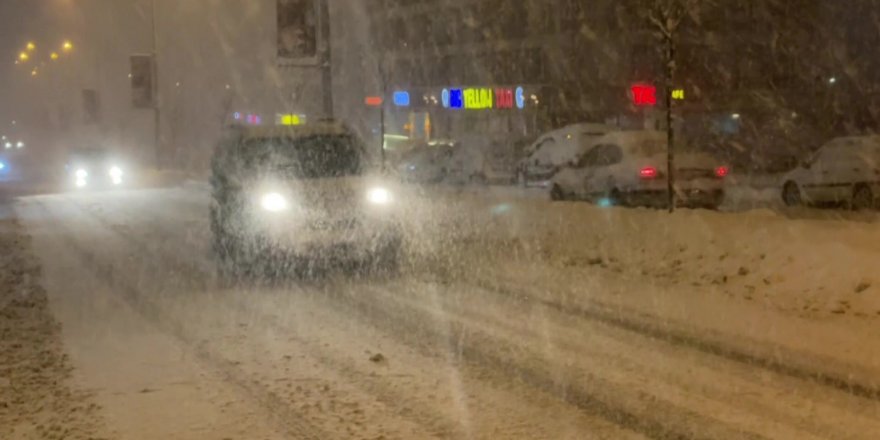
(307, 157)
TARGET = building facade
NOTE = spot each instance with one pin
(751, 73)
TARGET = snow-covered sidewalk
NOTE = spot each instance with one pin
(36, 398)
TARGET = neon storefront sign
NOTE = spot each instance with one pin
(483, 98)
(503, 98)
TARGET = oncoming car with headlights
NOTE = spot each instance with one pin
(90, 168)
(285, 198)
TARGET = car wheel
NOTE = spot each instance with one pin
(791, 194)
(862, 198)
(556, 193)
(614, 198)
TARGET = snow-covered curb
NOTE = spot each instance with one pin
(36, 399)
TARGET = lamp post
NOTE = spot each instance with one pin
(155, 85)
(326, 71)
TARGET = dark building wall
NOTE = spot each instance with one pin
(767, 62)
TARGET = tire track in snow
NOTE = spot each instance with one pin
(653, 327)
(584, 400)
(411, 325)
(644, 327)
(775, 359)
(408, 409)
(293, 424)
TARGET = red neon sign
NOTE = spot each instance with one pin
(503, 98)
(373, 101)
(644, 95)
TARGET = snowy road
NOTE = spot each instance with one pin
(447, 350)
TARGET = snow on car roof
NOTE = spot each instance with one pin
(581, 127)
(311, 129)
(632, 138)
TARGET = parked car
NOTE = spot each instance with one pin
(552, 150)
(843, 171)
(285, 198)
(426, 162)
(629, 168)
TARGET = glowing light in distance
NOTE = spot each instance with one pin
(81, 174)
(520, 96)
(401, 98)
(274, 202)
(644, 95)
(379, 196)
(648, 173)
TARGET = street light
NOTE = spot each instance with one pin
(23, 56)
(67, 46)
(31, 46)
(53, 56)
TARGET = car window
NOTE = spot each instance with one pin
(589, 158)
(609, 154)
(601, 155)
(549, 142)
(828, 154)
(306, 157)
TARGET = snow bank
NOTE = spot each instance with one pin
(35, 400)
(804, 266)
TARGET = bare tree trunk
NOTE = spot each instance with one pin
(383, 87)
(325, 60)
(670, 130)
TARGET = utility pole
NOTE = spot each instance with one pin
(667, 15)
(670, 130)
(326, 70)
(157, 144)
(383, 87)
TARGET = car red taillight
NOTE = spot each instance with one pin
(722, 172)
(648, 173)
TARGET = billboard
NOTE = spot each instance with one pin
(298, 32)
(142, 95)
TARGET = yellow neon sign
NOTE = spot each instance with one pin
(290, 120)
(678, 94)
(478, 99)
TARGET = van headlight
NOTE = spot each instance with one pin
(81, 174)
(379, 196)
(274, 202)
